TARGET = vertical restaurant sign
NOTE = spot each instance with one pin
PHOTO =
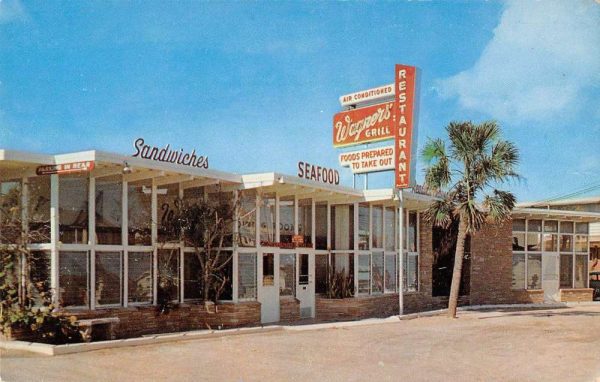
(65, 168)
(404, 118)
(368, 124)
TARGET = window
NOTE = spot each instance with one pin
(39, 277)
(364, 274)
(226, 274)
(321, 226)
(267, 218)
(321, 278)
(268, 269)
(377, 226)
(303, 278)
(10, 211)
(411, 276)
(139, 277)
(363, 226)
(287, 274)
(73, 209)
(566, 270)
(390, 229)
(193, 195)
(168, 275)
(342, 227)
(581, 244)
(377, 280)
(342, 266)
(167, 204)
(412, 231)
(391, 273)
(581, 271)
(550, 236)
(73, 278)
(534, 271)
(139, 209)
(305, 220)
(224, 201)
(247, 218)
(286, 219)
(247, 276)
(518, 240)
(39, 209)
(192, 276)
(518, 271)
(109, 281)
(109, 195)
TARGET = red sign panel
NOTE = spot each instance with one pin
(403, 116)
(65, 168)
(368, 124)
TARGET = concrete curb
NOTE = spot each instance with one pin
(52, 350)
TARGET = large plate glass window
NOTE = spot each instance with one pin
(286, 219)
(39, 209)
(321, 226)
(109, 195)
(168, 275)
(192, 272)
(377, 268)
(390, 229)
(139, 277)
(363, 226)
(39, 277)
(247, 218)
(342, 227)
(377, 212)
(247, 276)
(342, 266)
(267, 219)
(305, 220)
(73, 209)
(287, 274)
(391, 273)
(10, 211)
(109, 281)
(73, 278)
(168, 203)
(364, 273)
(139, 209)
(321, 273)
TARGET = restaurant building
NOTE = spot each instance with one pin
(105, 250)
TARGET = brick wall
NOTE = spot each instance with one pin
(535, 296)
(576, 295)
(289, 309)
(356, 308)
(491, 265)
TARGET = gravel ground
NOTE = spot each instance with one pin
(497, 345)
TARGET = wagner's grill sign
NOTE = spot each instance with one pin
(368, 124)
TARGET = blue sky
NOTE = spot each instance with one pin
(254, 85)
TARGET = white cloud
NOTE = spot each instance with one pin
(11, 10)
(541, 59)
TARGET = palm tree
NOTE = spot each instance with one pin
(473, 164)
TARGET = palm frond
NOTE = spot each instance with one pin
(440, 213)
(499, 205)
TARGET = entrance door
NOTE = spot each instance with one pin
(306, 285)
(268, 288)
(550, 276)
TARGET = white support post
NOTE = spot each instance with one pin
(329, 226)
(92, 240)
(154, 214)
(54, 226)
(295, 214)
(401, 255)
(124, 238)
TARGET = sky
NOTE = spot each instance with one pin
(255, 85)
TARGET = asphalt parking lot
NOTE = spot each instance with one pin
(498, 345)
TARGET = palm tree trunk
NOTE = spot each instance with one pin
(457, 271)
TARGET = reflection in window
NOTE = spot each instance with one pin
(566, 227)
(39, 209)
(168, 275)
(109, 193)
(108, 278)
(518, 241)
(534, 271)
(391, 273)
(390, 229)
(303, 277)
(534, 242)
(534, 226)
(364, 274)
(168, 203)
(73, 209)
(550, 242)
(10, 211)
(321, 278)
(286, 219)
(342, 226)
(412, 231)
(192, 280)
(73, 277)
(566, 271)
(582, 228)
(225, 202)
(581, 271)
(247, 218)
(267, 218)
(39, 277)
(139, 209)
(518, 225)
(363, 226)
(287, 274)
(139, 277)
(268, 269)
(342, 266)
(305, 219)
(566, 243)
(225, 274)
(518, 271)
(247, 276)
(321, 226)
(411, 276)
(581, 243)
(377, 282)
(377, 212)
